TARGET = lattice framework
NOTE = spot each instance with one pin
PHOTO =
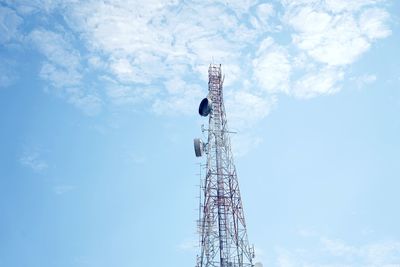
(222, 226)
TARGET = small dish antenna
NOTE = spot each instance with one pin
(205, 107)
(198, 147)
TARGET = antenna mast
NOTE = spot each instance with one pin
(222, 226)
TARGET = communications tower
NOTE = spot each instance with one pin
(222, 226)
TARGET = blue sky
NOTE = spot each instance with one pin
(99, 110)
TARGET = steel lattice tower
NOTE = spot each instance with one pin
(222, 226)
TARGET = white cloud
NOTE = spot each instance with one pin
(272, 67)
(178, 104)
(240, 6)
(7, 74)
(335, 39)
(129, 95)
(345, 5)
(338, 248)
(96, 62)
(168, 45)
(375, 254)
(259, 256)
(126, 72)
(33, 160)
(373, 23)
(244, 109)
(147, 43)
(89, 103)
(320, 82)
(5, 80)
(233, 74)
(56, 47)
(63, 69)
(284, 259)
(27, 7)
(136, 159)
(175, 85)
(364, 80)
(243, 142)
(331, 40)
(263, 18)
(60, 77)
(9, 23)
(129, 26)
(62, 189)
(340, 254)
(265, 11)
(188, 246)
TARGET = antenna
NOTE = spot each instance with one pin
(198, 147)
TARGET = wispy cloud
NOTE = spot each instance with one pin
(272, 67)
(364, 80)
(135, 158)
(318, 82)
(62, 189)
(384, 253)
(168, 45)
(188, 245)
(9, 24)
(33, 160)
(333, 34)
(181, 98)
(245, 108)
(63, 69)
(340, 253)
(7, 74)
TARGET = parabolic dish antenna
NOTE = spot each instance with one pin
(205, 107)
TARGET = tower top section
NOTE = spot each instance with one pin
(215, 82)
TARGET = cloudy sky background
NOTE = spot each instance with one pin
(99, 108)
